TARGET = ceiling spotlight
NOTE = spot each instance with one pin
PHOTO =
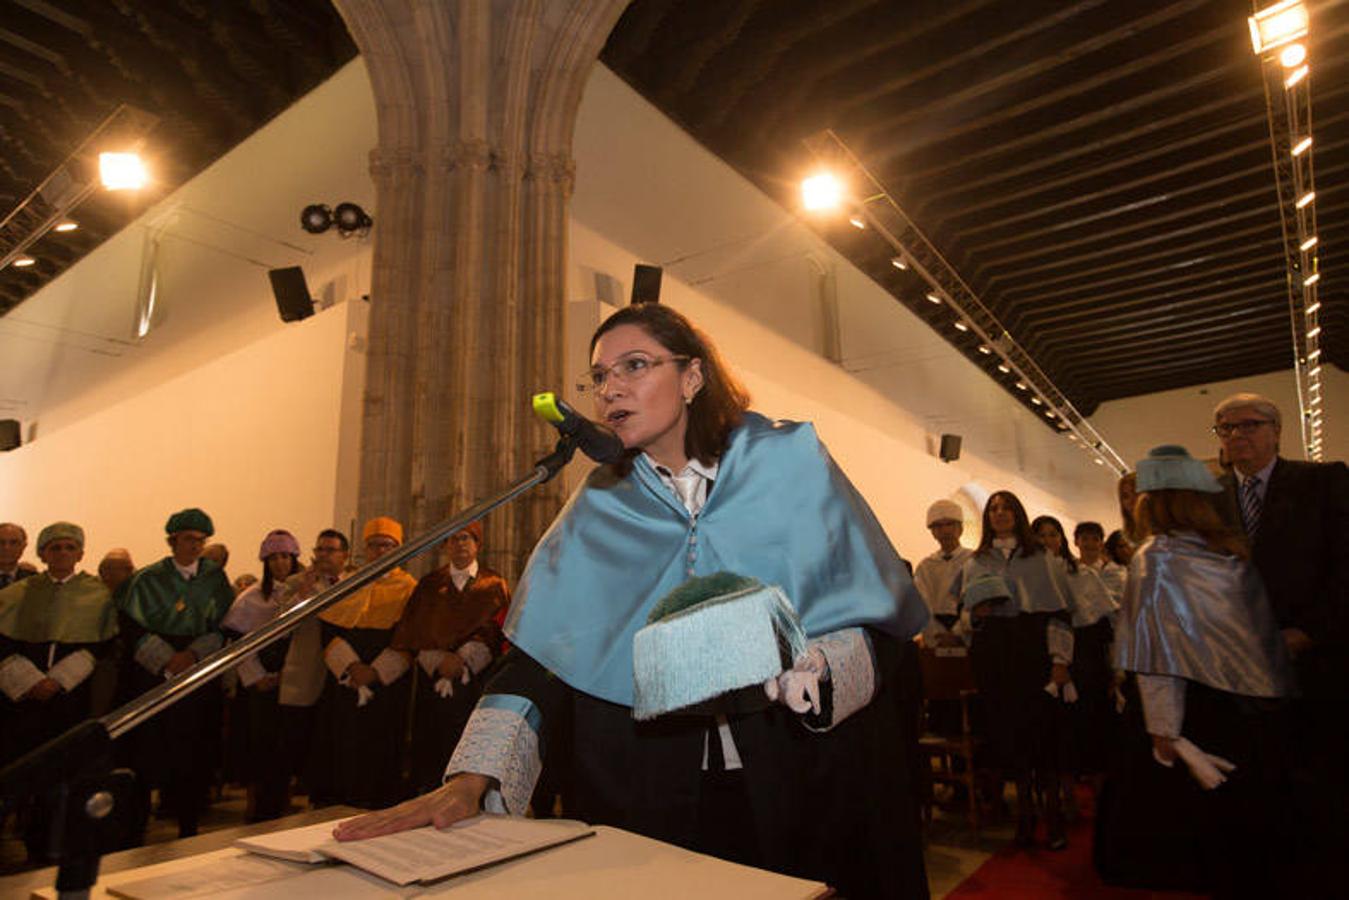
(1312, 309)
(1298, 75)
(1037, 401)
(821, 192)
(316, 218)
(122, 171)
(1277, 25)
(1099, 461)
(350, 218)
(1301, 146)
(1021, 385)
(933, 298)
(1308, 244)
(899, 263)
(1305, 199)
(23, 262)
(1050, 414)
(1072, 437)
(1003, 369)
(856, 221)
(1312, 373)
(67, 225)
(1314, 355)
(1292, 55)
(961, 326)
(1314, 332)
(1311, 279)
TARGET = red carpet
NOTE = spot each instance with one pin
(1038, 874)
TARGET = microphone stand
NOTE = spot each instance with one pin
(75, 767)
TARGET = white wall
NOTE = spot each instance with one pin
(233, 437)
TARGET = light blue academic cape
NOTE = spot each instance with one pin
(780, 511)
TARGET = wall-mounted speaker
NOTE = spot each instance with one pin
(292, 293)
(9, 434)
(646, 284)
(950, 447)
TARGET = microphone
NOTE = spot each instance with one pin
(591, 438)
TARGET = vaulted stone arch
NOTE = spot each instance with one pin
(476, 103)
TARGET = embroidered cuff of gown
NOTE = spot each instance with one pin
(17, 676)
(390, 665)
(852, 673)
(251, 670)
(339, 657)
(153, 653)
(475, 655)
(207, 644)
(1163, 699)
(72, 669)
(501, 741)
(1059, 637)
(430, 660)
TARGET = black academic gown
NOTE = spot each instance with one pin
(358, 750)
(833, 806)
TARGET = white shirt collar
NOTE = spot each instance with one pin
(188, 572)
(691, 484)
(61, 580)
(469, 571)
(1263, 474)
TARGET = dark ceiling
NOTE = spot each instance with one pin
(1099, 171)
(211, 71)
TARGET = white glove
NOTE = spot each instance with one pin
(1209, 770)
(445, 687)
(363, 695)
(476, 657)
(1120, 702)
(798, 688)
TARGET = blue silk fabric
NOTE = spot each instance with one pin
(1038, 583)
(780, 511)
(1189, 612)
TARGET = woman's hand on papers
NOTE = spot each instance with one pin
(459, 798)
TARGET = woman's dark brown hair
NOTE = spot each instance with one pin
(1169, 511)
(719, 406)
(1025, 537)
(1068, 558)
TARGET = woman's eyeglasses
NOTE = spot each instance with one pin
(627, 370)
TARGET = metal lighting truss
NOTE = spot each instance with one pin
(1288, 105)
(71, 182)
(877, 209)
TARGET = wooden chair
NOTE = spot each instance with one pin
(948, 676)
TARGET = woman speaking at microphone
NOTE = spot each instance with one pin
(813, 784)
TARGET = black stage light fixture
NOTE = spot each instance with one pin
(645, 284)
(351, 219)
(316, 218)
(292, 293)
(950, 447)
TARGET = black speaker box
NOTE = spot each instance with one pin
(9, 434)
(292, 293)
(646, 284)
(950, 447)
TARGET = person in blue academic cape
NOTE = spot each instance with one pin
(815, 788)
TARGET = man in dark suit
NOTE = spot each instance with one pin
(1296, 517)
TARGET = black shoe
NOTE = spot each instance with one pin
(1057, 840)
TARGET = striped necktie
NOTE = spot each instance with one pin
(1250, 505)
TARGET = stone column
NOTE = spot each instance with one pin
(476, 103)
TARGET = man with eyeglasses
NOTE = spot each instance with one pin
(170, 614)
(1296, 516)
